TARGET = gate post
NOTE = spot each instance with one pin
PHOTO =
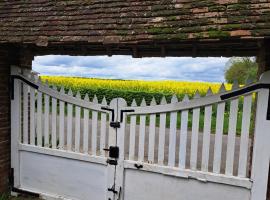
(261, 151)
(112, 142)
(15, 127)
(121, 144)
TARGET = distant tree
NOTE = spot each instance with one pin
(241, 69)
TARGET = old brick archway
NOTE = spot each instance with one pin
(150, 28)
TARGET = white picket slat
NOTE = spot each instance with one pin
(77, 125)
(218, 138)
(25, 113)
(231, 137)
(85, 127)
(219, 133)
(46, 120)
(244, 142)
(54, 119)
(94, 128)
(183, 136)
(103, 125)
(142, 134)
(195, 135)
(162, 131)
(32, 116)
(152, 132)
(61, 120)
(69, 123)
(39, 118)
(172, 136)
(206, 135)
(132, 135)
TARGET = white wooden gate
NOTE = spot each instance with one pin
(64, 147)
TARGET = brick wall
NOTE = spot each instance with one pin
(4, 121)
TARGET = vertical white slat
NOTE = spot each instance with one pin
(152, 133)
(94, 128)
(142, 134)
(132, 136)
(232, 133)
(183, 136)
(195, 135)
(54, 119)
(39, 118)
(172, 136)
(77, 125)
(69, 122)
(32, 114)
(46, 120)
(231, 137)
(206, 135)
(103, 125)
(261, 149)
(61, 120)
(25, 110)
(162, 131)
(85, 126)
(243, 156)
(219, 134)
(15, 127)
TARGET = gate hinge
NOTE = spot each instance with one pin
(113, 152)
(112, 162)
(115, 124)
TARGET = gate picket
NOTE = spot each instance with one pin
(77, 125)
(132, 133)
(39, 119)
(219, 134)
(103, 125)
(69, 122)
(162, 131)
(243, 156)
(25, 112)
(206, 135)
(46, 120)
(54, 119)
(152, 132)
(94, 128)
(32, 114)
(61, 120)
(195, 135)
(142, 134)
(85, 126)
(172, 136)
(183, 136)
(231, 137)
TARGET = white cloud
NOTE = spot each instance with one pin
(125, 67)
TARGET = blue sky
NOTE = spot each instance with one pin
(126, 67)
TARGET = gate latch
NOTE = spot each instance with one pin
(112, 190)
(115, 124)
(113, 152)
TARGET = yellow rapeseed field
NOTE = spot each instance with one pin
(163, 87)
